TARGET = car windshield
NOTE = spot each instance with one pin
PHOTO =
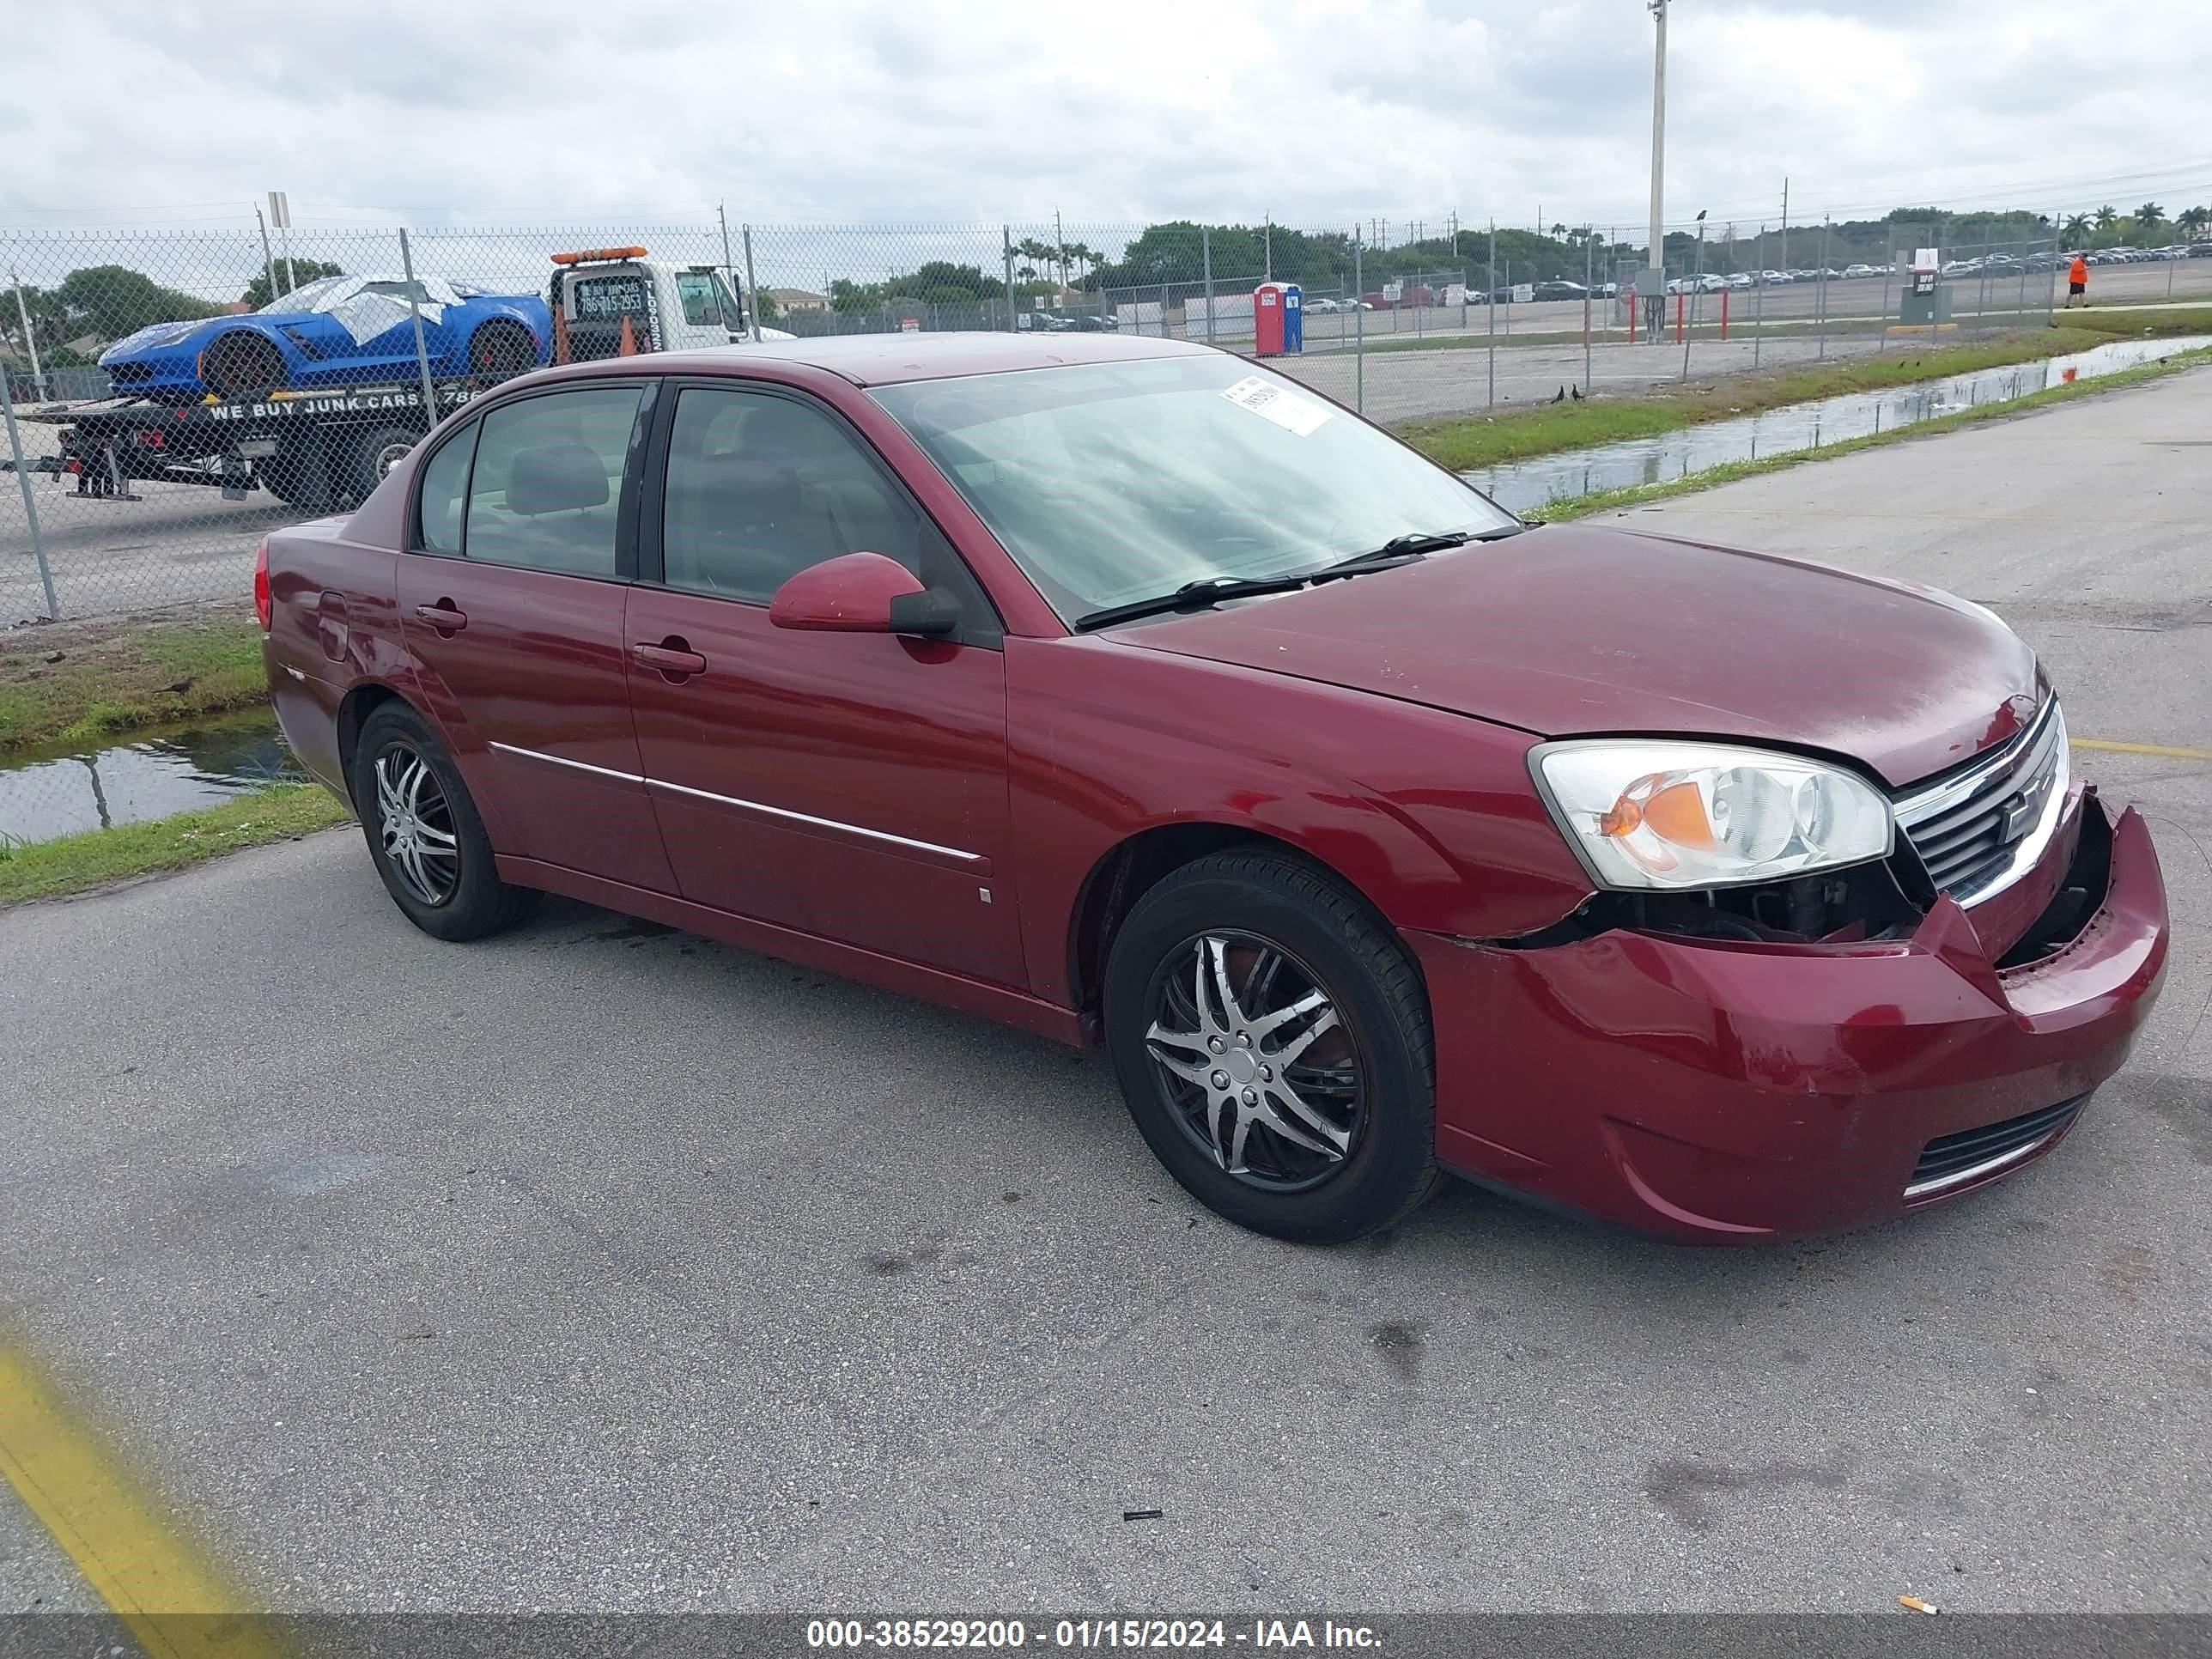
(1111, 482)
(303, 297)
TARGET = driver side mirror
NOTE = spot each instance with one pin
(862, 593)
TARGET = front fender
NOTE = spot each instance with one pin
(1430, 816)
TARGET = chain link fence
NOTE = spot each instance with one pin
(172, 394)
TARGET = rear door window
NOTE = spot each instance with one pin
(546, 491)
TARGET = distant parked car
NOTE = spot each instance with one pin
(1560, 290)
(1738, 279)
(1862, 270)
(335, 330)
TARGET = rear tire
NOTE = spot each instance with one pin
(424, 833)
(374, 452)
(299, 474)
(1272, 1038)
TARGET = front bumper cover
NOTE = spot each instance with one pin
(1719, 1091)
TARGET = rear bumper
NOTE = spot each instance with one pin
(1722, 1092)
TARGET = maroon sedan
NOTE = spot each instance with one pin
(1130, 694)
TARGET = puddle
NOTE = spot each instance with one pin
(154, 776)
(1525, 486)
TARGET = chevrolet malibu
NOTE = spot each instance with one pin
(1134, 695)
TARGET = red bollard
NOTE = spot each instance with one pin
(1724, 293)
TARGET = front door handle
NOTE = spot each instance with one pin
(444, 615)
(672, 657)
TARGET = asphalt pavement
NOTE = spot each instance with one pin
(602, 1268)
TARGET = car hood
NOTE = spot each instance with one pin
(157, 336)
(1569, 631)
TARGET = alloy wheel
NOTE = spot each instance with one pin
(416, 823)
(1249, 1048)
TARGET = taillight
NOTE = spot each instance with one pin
(261, 605)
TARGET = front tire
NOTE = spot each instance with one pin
(240, 365)
(1272, 1038)
(423, 831)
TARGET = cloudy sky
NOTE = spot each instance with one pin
(1112, 110)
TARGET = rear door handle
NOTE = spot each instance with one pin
(443, 616)
(668, 658)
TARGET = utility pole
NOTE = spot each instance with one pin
(1270, 277)
(1060, 253)
(1659, 148)
(1786, 222)
(267, 259)
(280, 215)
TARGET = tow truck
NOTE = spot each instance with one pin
(318, 449)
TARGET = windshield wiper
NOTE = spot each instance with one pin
(1403, 549)
(1192, 596)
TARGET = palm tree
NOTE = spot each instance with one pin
(2107, 217)
(2149, 216)
(2193, 222)
(2074, 230)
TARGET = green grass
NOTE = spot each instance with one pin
(1730, 471)
(120, 674)
(75, 863)
(1463, 443)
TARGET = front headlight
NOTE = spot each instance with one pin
(1674, 815)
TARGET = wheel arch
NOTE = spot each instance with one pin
(242, 333)
(1134, 865)
(502, 318)
(354, 710)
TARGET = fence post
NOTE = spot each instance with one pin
(1006, 254)
(1359, 336)
(23, 482)
(1888, 271)
(1824, 287)
(422, 353)
(1205, 254)
(1589, 272)
(752, 287)
(2051, 288)
(1492, 288)
(1758, 297)
(730, 272)
(30, 338)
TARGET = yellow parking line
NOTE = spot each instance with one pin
(174, 1602)
(2166, 749)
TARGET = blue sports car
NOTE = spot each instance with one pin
(337, 331)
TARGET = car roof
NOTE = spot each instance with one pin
(888, 359)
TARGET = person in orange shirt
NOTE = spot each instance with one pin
(2077, 281)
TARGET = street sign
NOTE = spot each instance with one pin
(280, 211)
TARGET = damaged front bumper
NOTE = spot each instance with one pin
(1723, 1091)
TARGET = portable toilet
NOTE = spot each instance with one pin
(1277, 319)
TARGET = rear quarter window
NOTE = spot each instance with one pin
(439, 497)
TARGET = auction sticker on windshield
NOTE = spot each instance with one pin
(1265, 398)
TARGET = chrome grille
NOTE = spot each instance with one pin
(1980, 830)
